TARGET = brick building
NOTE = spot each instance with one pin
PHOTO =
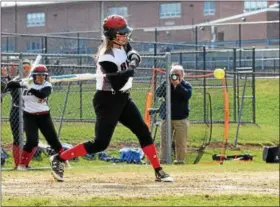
(77, 17)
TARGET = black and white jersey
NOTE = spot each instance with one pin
(117, 57)
(31, 102)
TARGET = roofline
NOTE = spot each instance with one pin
(41, 4)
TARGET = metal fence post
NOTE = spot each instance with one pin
(196, 47)
(181, 58)
(168, 109)
(254, 85)
(78, 43)
(46, 49)
(234, 84)
(42, 45)
(155, 48)
(239, 41)
(20, 69)
(7, 44)
(204, 85)
(80, 82)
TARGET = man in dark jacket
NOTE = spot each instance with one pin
(181, 92)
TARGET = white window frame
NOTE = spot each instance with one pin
(253, 5)
(123, 11)
(35, 19)
(207, 10)
(170, 10)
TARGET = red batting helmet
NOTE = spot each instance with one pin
(40, 69)
(115, 24)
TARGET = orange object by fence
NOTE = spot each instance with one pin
(226, 120)
(148, 104)
(226, 111)
(150, 96)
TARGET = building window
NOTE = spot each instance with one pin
(170, 10)
(220, 36)
(7, 46)
(34, 46)
(209, 8)
(118, 10)
(250, 5)
(35, 19)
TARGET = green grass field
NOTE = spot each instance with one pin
(92, 183)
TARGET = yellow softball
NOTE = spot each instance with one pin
(219, 73)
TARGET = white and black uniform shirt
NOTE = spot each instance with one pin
(35, 97)
(114, 61)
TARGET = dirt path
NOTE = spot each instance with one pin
(128, 184)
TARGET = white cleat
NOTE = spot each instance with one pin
(161, 176)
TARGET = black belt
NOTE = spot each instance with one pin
(115, 92)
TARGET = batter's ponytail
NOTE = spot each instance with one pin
(104, 47)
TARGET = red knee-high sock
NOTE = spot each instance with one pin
(26, 157)
(30, 156)
(78, 150)
(151, 154)
(16, 154)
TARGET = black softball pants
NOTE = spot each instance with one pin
(111, 109)
(43, 122)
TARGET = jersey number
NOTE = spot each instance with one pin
(26, 93)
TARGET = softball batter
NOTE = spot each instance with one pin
(112, 102)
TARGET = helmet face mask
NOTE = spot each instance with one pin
(114, 25)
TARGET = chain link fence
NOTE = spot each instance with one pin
(71, 103)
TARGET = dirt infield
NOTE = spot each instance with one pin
(138, 184)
